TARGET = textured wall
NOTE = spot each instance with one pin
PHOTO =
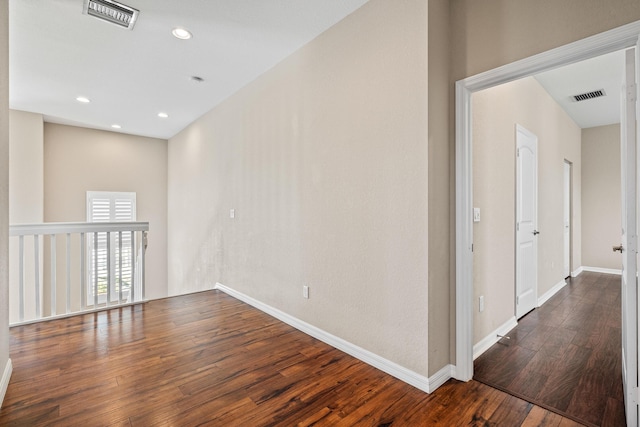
(601, 196)
(324, 159)
(490, 33)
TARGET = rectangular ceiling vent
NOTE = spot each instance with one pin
(111, 11)
(588, 95)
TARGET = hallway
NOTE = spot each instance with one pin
(566, 355)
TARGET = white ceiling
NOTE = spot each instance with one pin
(603, 72)
(57, 54)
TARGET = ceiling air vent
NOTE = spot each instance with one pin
(111, 11)
(588, 95)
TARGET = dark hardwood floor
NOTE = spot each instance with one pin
(208, 359)
(566, 355)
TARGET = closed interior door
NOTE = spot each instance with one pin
(526, 221)
(567, 219)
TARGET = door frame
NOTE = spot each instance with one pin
(613, 40)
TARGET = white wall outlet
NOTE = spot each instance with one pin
(305, 292)
(481, 303)
(232, 213)
(476, 214)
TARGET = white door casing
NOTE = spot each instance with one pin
(599, 44)
(566, 270)
(526, 221)
(629, 239)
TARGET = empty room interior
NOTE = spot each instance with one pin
(255, 212)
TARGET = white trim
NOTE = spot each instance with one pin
(600, 44)
(408, 376)
(551, 292)
(602, 270)
(464, 235)
(4, 383)
(439, 378)
(75, 227)
(577, 272)
(485, 343)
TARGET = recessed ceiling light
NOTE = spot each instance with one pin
(116, 126)
(163, 115)
(83, 99)
(181, 33)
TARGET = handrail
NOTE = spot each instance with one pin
(75, 227)
(88, 275)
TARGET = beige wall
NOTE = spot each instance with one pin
(601, 196)
(491, 33)
(26, 190)
(4, 187)
(440, 210)
(324, 159)
(77, 160)
(496, 113)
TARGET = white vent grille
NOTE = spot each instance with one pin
(111, 11)
(589, 95)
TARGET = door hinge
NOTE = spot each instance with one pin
(517, 300)
(517, 152)
(632, 94)
(517, 226)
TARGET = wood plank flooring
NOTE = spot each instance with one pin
(566, 355)
(208, 359)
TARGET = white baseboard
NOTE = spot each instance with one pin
(408, 376)
(4, 382)
(602, 270)
(577, 272)
(551, 292)
(486, 342)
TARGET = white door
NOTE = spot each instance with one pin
(526, 221)
(567, 220)
(628, 247)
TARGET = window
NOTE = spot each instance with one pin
(110, 207)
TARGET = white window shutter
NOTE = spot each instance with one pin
(110, 207)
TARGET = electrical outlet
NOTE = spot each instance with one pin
(305, 292)
(481, 303)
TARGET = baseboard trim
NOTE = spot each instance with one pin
(602, 270)
(551, 292)
(577, 272)
(408, 376)
(485, 343)
(4, 383)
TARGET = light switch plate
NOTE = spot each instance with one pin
(476, 214)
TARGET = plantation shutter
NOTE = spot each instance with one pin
(110, 207)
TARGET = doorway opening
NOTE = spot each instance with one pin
(611, 41)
